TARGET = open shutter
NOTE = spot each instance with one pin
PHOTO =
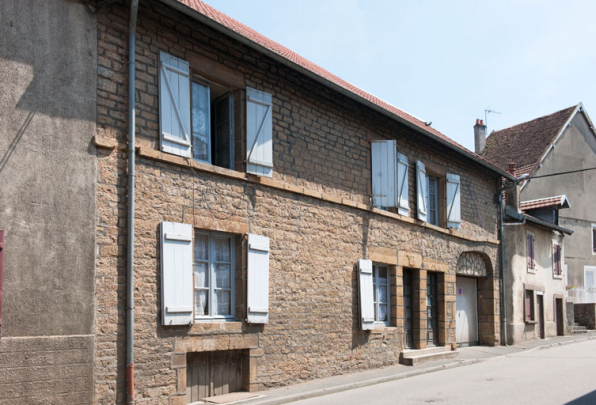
(453, 201)
(259, 133)
(258, 279)
(403, 203)
(174, 105)
(367, 305)
(384, 181)
(176, 273)
(422, 190)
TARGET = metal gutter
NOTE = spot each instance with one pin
(275, 56)
(510, 211)
(130, 381)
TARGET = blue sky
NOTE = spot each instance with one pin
(444, 61)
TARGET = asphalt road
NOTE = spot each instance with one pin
(561, 375)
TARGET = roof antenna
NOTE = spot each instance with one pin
(486, 112)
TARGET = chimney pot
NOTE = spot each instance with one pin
(512, 168)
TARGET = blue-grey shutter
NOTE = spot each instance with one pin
(366, 295)
(176, 273)
(174, 105)
(403, 203)
(384, 173)
(259, 133)
(422, 191)
(258, 279)
(453, 201)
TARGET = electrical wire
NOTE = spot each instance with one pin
(561, 173)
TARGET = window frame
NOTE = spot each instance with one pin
(593, 231)
(436, 209)
(211, 274)
(533, 268)
(557, 252)
(211, 111)
(376, 302)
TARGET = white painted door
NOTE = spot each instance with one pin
(466, 316)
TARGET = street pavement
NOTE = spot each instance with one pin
(520, 374)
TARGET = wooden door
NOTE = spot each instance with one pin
(540, 315)
(408, 312)
(432, 310)
(559, 316)
(213, 373)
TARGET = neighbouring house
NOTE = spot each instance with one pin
(558, 152)
(534, 262)
(287, 225)
(48, 60)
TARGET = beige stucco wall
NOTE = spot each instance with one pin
(518, 278)
(576, 149)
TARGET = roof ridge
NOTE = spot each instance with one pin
(535, 119)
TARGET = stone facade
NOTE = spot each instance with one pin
(316, 210)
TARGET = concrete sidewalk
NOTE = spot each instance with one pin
(467, 356)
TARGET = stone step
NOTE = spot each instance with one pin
(416, 357)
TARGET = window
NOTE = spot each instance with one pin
(557, 259)
(589, 276)
(196, 119)
(594, 239)
(197, 279)
(530, 249)
(212, 124)
(213, 276)
(529, 307)
(389, 177)
(381, 294)
(433, 199)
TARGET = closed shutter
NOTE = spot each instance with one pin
(176, 273)
(174, 105)
(453, 201)
(422, 190)
(594, 239)
(533, 246)
(557, 259)
(384, 173)
(530, 251)
(258, 279)
(259, 133)
(403, 203)
(365, 284)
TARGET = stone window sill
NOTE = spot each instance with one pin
(216, 328)
(531, 322)
(383, 329)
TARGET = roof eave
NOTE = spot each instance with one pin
(242, 39)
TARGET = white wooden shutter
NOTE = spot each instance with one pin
(259, 133)
(453, 201)
(422, 190)
(176, 273)
(258, 279)
(403, 203)
(384, 173)
(365, 284)
(174, 105)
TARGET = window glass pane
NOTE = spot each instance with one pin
(201, 247)
(201, 303)
(382, 313)
(222, 249)
(382, 294)
(222, 275)
(201, 275)
(200, 121)
(382, 275)
(222, 303)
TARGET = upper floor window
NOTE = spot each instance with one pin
(433, 199)
(196, 119)
(557, 259)
(530, 251)
(594, 239)
(389, 177)
(433, 202)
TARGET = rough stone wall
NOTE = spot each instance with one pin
(47, 200)
(321, 144)
(585, 315)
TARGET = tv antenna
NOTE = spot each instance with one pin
(486, 112)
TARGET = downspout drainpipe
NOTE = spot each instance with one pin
(130, 381)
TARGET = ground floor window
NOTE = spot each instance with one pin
(214, 276)
(529, 306)
(381, 294)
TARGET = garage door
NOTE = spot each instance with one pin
(466, 318)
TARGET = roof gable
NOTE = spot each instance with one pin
(525, 144)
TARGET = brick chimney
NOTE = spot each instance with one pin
(512, 196)
(479, 137)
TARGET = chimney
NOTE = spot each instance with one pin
(479, 137)
(512, 196)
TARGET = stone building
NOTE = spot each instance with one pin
(289, 226)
